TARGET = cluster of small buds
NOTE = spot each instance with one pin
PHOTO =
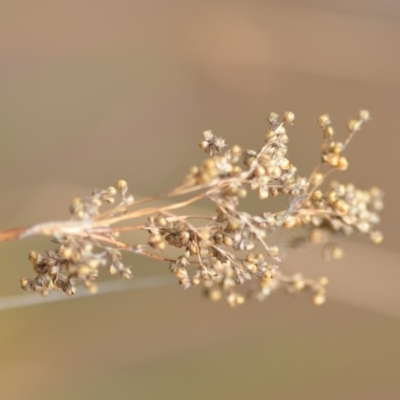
(212, 144)
(331, 150)
(342, 209)
(89, 207)
(298, 283)
(217, 251)
(78, 258)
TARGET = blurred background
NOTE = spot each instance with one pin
(93, 91)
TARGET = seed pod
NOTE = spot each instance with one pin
(324, 120)
(319, 299)
(288, 117)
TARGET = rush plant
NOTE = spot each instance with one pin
(223, 250)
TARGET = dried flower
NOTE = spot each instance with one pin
(216, 251)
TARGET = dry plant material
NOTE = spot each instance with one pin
(216, 251)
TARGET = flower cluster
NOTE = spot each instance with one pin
(216, 251)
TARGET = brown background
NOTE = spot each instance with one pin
(92, 91)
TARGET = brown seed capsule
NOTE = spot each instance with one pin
(316, 195)
(126, 274)
(333, 252)
(273, 251)
(242, 193)
(328, 132)
(263, 193)
(317, 179)
(336, 147)
(364, 115)
(76, 204)
(274, 171)
(111, 191)
(342, 164)
(129, 200)
(284, 164)
(270, 136)
(331, 159)
(354, 125)
(92, 288)
(319, 299)
(203, 144)
(239, 299)
(341, 207)
(160, 220)
(112, 270)
(24, 282)
(159, 246)
(259, 171)
(122, 185)
(181, 273)
(290, 222)
(236, 150)
(252, 268)
(273, 118)
(195, 281)
(299, 284)
(288, 117)
(69, 290)
(155, 238)
(214, 294)
(324, 120)
(33, 256)
(318, 236)
(376, 237)
(65, 252)
(323, 280)
(273, 192)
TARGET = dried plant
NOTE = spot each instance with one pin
(216, 251)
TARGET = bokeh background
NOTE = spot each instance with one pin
(93, 91)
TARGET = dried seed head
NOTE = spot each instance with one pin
(129, 200)
(316, 195)
(112, 270)
(319, 299)
(214, 294)
(270, 136)
(288, 117)
(216, 250)
(324, 120)
(299, 284)
(341, 207)
(126, 273)
(111, 191)
(336, 147)
(364, 115)
(342, 163)
(376, 237)
(333, 252)
(323, 281)
(25, 284)
(70, 290)
(122, 185)
(328, 132)
(354, 125)
(273, 118)
(332, 159)
(317, 179)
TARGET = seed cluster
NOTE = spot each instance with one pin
(80, 256)
(224, 250)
